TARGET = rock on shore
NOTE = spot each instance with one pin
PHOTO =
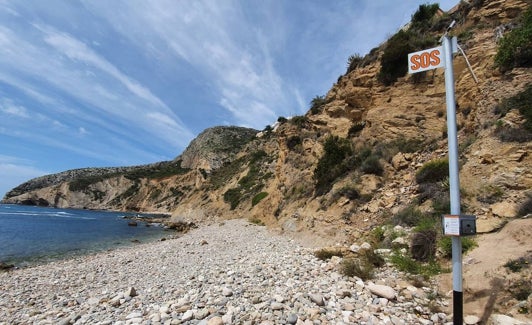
(228, 273)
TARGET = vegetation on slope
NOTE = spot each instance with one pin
(515, 48)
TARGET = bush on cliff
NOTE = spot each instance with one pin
(331, 165)
(515, 49)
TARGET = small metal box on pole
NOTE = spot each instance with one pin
(459, 225)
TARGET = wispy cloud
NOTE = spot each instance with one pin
(216, 38)
(7, 107)
(62, 63)
(14, 171)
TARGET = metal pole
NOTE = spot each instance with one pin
(454, 181)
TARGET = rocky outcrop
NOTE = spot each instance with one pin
(216, 146)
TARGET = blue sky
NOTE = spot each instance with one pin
(126, 82)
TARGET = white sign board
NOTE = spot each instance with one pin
(451, 225)
(426, 60)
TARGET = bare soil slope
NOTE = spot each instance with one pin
(488, 284)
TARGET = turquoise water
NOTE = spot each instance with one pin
(30, 234)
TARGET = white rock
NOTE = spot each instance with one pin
(135, 314)
(227, 292)
(498, 319)
(188, 315)
(317, 299)
(227, 318)
(93, 301)
(471, 320)
(354, 248)
(382, 291)
(216, 320)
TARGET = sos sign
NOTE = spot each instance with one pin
(425, 60)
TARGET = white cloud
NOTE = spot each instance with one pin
(15, 171)
(99, 89)
(82, 131)
(216, 38)
(77, 50)
(7, 107)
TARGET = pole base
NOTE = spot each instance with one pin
(458, 308)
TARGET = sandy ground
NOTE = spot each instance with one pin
(486, 280)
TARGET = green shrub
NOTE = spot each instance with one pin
(490, 194)
(353, 62)
(423, 247)
(521, 289)
(82, 184)
(515, 49)
(282, 119)
(387, 150)
(394, 60)
(251, 183)
(513, 134)
(232, 196)
(300, 121)
(316, 104)
(356, 128)
(422, 17)
(293, 142)
(257, 198)
(326, 253)
(445, 245)
(377, 235)
(256, 221)
(518, 264)
(331, 165)
(348, 192)
(409, 265)
(409, 216)
(427, 223)
(405, 263)
(372, 165)
(156, 171)
(526, 207)
(521, 101)
(219, 177)
(356, 267)
(433, 171)
(355, 160)
(373, 258)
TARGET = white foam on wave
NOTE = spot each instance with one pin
(73, 217)
(22, 213)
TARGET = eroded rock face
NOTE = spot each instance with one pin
(215, 146)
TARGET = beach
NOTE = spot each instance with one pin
(230, 272)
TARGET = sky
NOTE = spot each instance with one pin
(99, 83)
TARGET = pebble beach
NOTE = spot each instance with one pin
(230, 272)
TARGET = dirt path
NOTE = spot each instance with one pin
(486, 280)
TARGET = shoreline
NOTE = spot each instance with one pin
(35, 235)
(230, 272)
(24, 262)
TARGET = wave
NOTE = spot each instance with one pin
(22, 213)
(73, 217)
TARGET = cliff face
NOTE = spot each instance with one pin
(384, 134)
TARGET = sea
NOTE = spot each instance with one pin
(34, 235)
